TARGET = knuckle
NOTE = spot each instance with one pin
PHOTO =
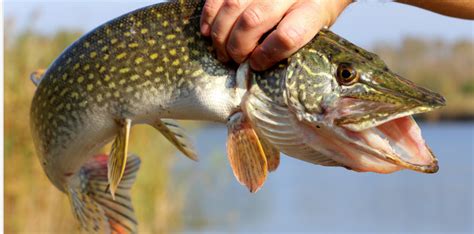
(209, 9)
(217, 37)
(233, 4)
(252, 17)
(290, 38)
(234, 51)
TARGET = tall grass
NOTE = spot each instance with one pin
(32, 204)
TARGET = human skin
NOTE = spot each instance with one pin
(267, 31)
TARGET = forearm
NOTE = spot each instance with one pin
(455, 8)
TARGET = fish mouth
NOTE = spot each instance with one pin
(398, 142)
(383, 131)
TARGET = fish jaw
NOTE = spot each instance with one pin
(394, 145)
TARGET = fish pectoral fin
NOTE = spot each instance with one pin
(118, 156)
(271, 153)
(37, 75)
(94, 208)
(175, 134)
(246, 154)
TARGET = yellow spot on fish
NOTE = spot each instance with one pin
(147, 73)
(80, 79)
(195, 52)
(124, 70)
(82, 56)
(100, 41)
(113, 41)
(170, 36)
(64, 91)
(144, 30)
(74, 95)
(154, 56)
(151, 42)
(113, 68)
(165, 23)
(91, 76)
(64, 76)
(159, 33)
(158, 15)
(108, 94)
(106, 57)
(159, 69)
(180, 71)
(197, 73)
(127, 34)
(76, 66)
(173, 52)
(129, 89)
(87, 44)
(69, 60)
(111, 85)
(86, 67)
(93, 54)
(138, 60)
(166, 59)
(121, 55)
(104, 48)
(177, 29)
(185, 58)
(133, 45)
(90, 87)
(116, 94)
(122, 81)
(107, 78)
(135, 77)
(83, 104)
(102, 69)
(176, 62)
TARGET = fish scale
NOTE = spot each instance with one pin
(157, 51)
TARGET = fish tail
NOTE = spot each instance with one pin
(93, 205)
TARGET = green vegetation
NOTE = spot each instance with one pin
(447, 68)
(32, 204)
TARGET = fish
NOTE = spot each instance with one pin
(331, 103)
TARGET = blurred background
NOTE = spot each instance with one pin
(174, 194)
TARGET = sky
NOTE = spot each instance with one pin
(363, 23)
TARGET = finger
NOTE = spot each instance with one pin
(296, 29)
(225, 19)
(209, 12)
(257, 19)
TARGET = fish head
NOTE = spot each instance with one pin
(359, 106)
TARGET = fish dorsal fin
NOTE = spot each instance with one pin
(175, 134)
(37, 76)
(118, 155)
(246, 154)
(94, 208)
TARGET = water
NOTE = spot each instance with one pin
(309, 198)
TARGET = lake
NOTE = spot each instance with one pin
(301, 197)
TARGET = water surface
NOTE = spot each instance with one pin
(309, 198)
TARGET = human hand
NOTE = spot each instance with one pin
(236, 27)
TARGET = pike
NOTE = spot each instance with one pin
(331, 103)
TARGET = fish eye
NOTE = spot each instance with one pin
(346, 74)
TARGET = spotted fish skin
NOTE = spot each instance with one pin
(148, 64)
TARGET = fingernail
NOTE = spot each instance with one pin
(255, 65)
(205, 29)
